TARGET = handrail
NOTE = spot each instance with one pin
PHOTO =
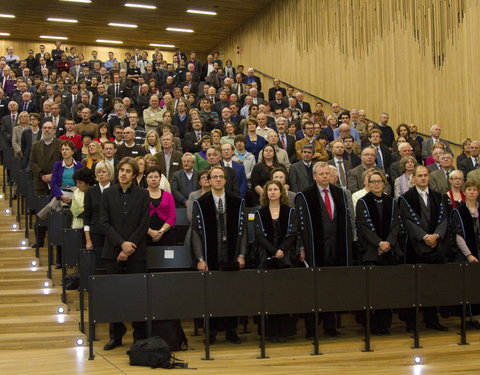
(328, 102)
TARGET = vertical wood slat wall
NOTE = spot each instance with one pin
(416, 59)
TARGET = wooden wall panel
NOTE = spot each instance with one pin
(416, 59)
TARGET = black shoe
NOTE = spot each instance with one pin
(112, 344)
(234, 339)
(437, 327)
(332, 332)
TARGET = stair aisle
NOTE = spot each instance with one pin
(29, 303)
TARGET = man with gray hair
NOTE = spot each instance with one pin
(251, 77)
(472, 163)
(184, 181)
(427, 145)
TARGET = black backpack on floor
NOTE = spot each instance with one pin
(153, 352)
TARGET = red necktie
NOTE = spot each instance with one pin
(284, 145)
(328, 204)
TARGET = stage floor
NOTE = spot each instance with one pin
(391, 354)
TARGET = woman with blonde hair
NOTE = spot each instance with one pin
(152, 143)
(216, 136)
(405, 181)
(23, 123)
(94, 155)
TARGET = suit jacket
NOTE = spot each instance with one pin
(7, 129)
(30, 107)
(241, 177)
(316, 233)
(466, 166)
(188, 143)
(290, 141)
(92, 206)
(179, 186)
(193, 86)
(305, 107)
(122, 90)
(3, 108)
(60, 129)
(395, 170)
(26, 145)
(432, 167)
(346, 165)
(273, 90)
(417, 250)
(438, 181)
(298, 177)
(427, 146)
(124, 222)
(355, 181)
(107, 103)
(235, 88)
(42, 163)
(70, 104)
(175, 163)
(274, 105)
(386, 157)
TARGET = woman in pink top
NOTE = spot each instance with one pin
(161, 210)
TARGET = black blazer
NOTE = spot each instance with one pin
(292, 154)
(306, 107)
(122, 90)
(188, 143)
(273, 90)
(179, 186)
(60, 129)
(256, 79)
(26, 145)
(92, 205)
(122, 224)
(107, 103)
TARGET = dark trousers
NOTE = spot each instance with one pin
(117, 330)
(430, 316)
(329, 322)
(229, 325)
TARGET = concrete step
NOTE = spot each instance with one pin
(9, 262)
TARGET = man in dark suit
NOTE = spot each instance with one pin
(227, 162)
(272, 91)
(424, 214)
(117, 89)
(190, 83)
(41, 53)
(102, 102)
(191, 142)
(56, 119)
(129, 147)
(73, 98)
(471, 163)
(343, 166)
(219, 238)
(285, 141)
(427, 144)
(325, 225)
(8, 123)
(184, 181)
(384, 156)
(301, 105)
(251, 77)
(169, 160)
(27, 104)
(124, 218)
(214, 158)
(3, 104)
(301, 172)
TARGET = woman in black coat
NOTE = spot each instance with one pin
(378, 230)
(276, 240)
(94, 234)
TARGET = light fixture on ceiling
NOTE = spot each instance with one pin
(53, 37)
(162, 45)
(5, 34)
(2, 15)
(131, 25)
(205, 12)
(78, 1)
(53, 19)
(180, 30)
(144, 6)
(109, 41)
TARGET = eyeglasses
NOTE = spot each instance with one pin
(375, 182)
(204, 178)
(219, 177)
